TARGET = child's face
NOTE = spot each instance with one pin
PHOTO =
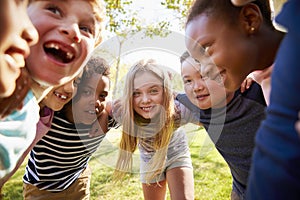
(67, 31)
(147, 94)
(59, 96)
(202, 92)
(92, 90)
(16, 35)
(229, 47)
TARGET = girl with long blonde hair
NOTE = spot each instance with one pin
(150, 122)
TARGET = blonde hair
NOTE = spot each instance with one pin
(130, 123)
(99, 12)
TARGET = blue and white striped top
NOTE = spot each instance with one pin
(61, 155)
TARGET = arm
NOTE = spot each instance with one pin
(104, 123)
(186, 115)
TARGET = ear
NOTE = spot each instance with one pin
(251, 18)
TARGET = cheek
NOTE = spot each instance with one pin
(187, 89)
(87, 46)
(160, 98)
(135, 102)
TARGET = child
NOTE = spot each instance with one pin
(15, 40)
(58, 164)
(231, 119)
(16, 36)
(276, 158)
(213, 26)
(148, 120)
(277, 142)
(68, 31)
(54, 101)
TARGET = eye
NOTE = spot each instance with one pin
(206, 48)
(76, 82)
(187, 81)
(54, 9)
(136, 94)
(103, 96)
(87, 29)
(153, 91)
(86, 92)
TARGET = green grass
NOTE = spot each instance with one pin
(212, 176)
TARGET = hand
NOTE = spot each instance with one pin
(15, 101)
(116, 111)
(96, 129)
(246, 84)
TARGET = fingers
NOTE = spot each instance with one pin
(100, 126)
(116, 109)
(246, 84)
(100, 106)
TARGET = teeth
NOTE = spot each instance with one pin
(51, 45)
(69, 55)
(64, 97)
(146, 109)
(92, 112)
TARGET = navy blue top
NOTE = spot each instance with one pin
(233, 129)
(275, 172)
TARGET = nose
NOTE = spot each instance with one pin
(199, 85)
(72, 31)
(30, 34)
(145, 98)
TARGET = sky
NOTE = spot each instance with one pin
(166, 51)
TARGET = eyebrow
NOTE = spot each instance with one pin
(185, 76)
(153, 86)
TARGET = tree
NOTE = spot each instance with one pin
(124, 22)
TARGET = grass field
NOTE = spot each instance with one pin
(212, 176)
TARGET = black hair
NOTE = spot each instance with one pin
(225, 8)
(184, 56)
(95, 65)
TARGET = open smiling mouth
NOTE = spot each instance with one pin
(59, 53)
(61, 96)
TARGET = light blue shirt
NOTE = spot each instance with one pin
(17, 131)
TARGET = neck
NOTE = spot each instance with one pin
(270, 46)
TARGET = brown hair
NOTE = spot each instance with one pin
(99, 12)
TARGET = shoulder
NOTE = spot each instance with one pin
(254, 93)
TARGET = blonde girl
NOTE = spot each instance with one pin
(150, 123)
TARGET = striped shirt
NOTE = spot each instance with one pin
(61, 155)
